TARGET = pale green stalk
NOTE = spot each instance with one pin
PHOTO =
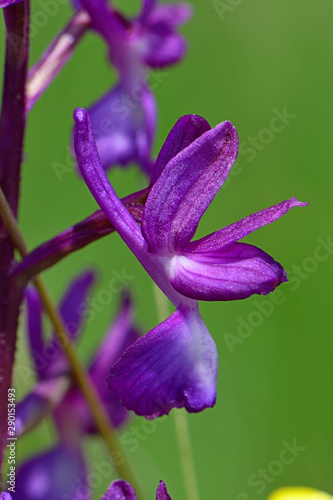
(180, 419)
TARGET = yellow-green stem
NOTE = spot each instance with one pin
(184, 443)
(116, 452)
(180, 419)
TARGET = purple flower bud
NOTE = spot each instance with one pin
(121, 490)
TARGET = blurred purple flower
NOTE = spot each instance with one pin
(61, 472)
(54, 391)
(175, 364)
(121, 490)
(124, 119)
(58, 473)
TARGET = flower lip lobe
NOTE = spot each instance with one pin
(172, 366)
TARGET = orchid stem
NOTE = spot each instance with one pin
(180, 419)
(101, 418)
(12, 131)
(184, 443)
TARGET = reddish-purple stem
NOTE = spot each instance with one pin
(12, 126)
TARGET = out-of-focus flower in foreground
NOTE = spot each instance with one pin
(121, 490)
(52, 475)
(299, 493)
(175, 364)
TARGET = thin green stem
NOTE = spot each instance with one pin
(116, 451)
(184, 443)
(180, 419)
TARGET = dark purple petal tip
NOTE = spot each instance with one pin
(162, 492)
(186, 130)
(80, 115)
(120, 490)
(5, 495)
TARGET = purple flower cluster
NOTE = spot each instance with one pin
(175, 364)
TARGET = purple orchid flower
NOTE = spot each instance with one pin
(121, 490)
(54, 391)
(175, 364)
(124, 119)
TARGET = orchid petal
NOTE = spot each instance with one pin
(242, 228)
(159, 50)
(120, 335)
(73, 302)
(162, 492)
(231, 273)
(147, 8)
(98, 183)
(186, 130)
(120, 490)
(186, 188)
(39, 403)
(105, 22)
(72, 309)
(58, 473)
(48, 357)
(172, 366)
(5, 3)
(34, 327)
(123, 123)
(160, 44)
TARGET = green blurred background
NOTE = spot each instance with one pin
(247, 61)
